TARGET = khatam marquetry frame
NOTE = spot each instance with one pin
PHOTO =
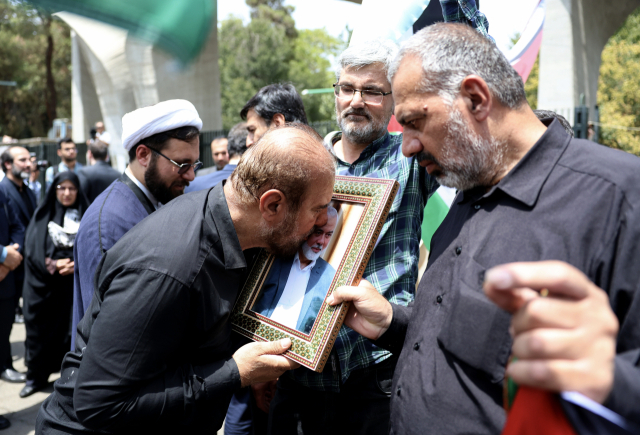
(312, 350)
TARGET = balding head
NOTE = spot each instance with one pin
(290, 159)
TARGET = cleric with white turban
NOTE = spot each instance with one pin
(168, 130)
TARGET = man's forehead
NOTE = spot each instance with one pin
(370, 74)
(15, 151)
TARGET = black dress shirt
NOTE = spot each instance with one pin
(153, 352)
(567, 199)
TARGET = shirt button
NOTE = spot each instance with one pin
(439, 299)
(416, 346)
(477, 207)
(458, 250)
(398, 391)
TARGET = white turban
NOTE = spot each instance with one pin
(164, 116)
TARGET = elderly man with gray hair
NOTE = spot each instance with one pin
(352, 394)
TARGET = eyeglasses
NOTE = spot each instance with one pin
(372, 98)
(182, 167)
(71, 189)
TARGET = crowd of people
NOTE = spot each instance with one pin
(128, 283)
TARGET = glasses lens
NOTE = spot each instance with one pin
(197, 165)
(371, 97)
(344, 92)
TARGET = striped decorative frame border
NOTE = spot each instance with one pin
(312, 350)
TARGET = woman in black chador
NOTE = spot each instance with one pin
(48, 283)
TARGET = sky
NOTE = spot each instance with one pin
(506, 17)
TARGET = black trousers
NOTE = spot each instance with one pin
(361, 406)
(7, 314)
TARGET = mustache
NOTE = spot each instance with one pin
(424, 156)
(360, 112)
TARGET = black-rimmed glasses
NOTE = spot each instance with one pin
(182, 167)
(345, 92)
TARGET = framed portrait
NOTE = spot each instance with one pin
(285, 297)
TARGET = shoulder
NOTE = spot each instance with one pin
(324, 267)
(206, 181)
(613, 166)
(172, 238)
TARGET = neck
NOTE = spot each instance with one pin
(519, 129)
(349, 151)
(16, 180)
(244, 219)
(304, 262)
(71, 164)
(138, 171)
(234, 160)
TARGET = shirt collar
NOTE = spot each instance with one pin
(296, 261)
(369, 151)
(219, 213)
(525, 181)
(142, 187)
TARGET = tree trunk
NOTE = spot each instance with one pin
(51, 97)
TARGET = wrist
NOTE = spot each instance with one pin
(3, 255)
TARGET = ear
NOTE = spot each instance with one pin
(143, 155)
(59, 152)
(477, 97)
(273, 206)
(278, 120)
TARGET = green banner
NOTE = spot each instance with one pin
(180, 27)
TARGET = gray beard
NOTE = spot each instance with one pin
(467, 160)
(309, 254)
(358, 134)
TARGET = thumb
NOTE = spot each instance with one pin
(15, 246)
(276, 347)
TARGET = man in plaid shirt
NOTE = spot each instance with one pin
(352, 394)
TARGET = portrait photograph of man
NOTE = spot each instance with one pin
(296, 287)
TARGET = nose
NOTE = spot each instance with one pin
(190, 175)
(249, 140)
(357, 100)
(411, 146)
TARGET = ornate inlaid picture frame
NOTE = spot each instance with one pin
(360, 208)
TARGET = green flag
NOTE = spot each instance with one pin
(180, 27)
(435, 212)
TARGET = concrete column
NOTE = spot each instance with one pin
(575, 33)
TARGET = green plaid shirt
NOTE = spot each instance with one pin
(465, 11)
(393, 267)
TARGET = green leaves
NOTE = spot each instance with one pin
(269, 49)
(619, 88)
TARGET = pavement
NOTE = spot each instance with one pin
(22, 412)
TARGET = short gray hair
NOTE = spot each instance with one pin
(364, 54)
(450, 52)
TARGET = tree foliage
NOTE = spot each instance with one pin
(619, 88)
(35, 51)
(269, 49)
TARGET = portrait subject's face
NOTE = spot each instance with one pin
(68, 152)
(361, 122)
(319, 239)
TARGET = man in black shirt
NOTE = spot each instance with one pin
(528, 192)
(96, 178)
(154, 352)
